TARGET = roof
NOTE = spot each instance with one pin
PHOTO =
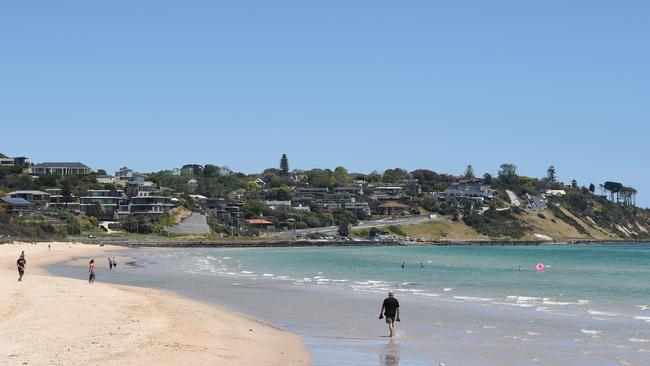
(393, 204)
(28, 192)
(16, 201)
(61, 165)
(3, 156)
(259, 222)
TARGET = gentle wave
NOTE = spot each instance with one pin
(589, 331)
(639, 340)
(470, 298)
(603, 313)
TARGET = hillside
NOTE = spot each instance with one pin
(583, 217)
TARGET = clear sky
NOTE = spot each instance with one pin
(363, 84)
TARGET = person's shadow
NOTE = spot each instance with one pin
(390, 354)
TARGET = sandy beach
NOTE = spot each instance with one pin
(54, 320)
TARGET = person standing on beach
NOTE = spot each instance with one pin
(20, 263)
(114, 263)
(91, 271)
(49, 246)
(110, 264)
(390, 309)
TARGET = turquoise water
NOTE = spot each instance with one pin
(610, 276)
(461, 305)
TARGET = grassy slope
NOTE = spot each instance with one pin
(559, 230)
(445, 230)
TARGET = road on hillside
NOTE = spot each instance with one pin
(406, 220)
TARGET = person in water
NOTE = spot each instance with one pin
(91, 271)
(519, 268)
(114, 263)
(20, 263)
(390, 310)
(403, 264)
(110, 264)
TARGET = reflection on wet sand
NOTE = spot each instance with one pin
(390, 354)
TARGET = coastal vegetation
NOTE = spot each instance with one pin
(465, 206)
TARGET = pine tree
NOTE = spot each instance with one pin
(550, 174)
(469, 172)
(284, 164)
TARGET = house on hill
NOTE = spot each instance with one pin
(37, 197)
(62, 168)
(11, 206)
(16, 161)
(470, 190)
(393, 208)
(387, 193)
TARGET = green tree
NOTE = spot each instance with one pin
(592, 188)
(210, 170)
(508, 174)
(574, 184)
(95, 210)
(284, 165)
(487, 178)
(550, 174)
(255, 208)
(469, 172)
(344, 229)
(101, 172)
(341, 175)
(394, 175)
(374, 177)
(341, 215)
(66, 191)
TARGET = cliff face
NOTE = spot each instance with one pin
(574, 217)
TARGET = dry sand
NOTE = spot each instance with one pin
(47, 320)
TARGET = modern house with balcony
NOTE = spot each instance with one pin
(139, 189)
(305, 195)
(150, 205)
(386, 193)
(475, 191)
(358, 208)
(111, 201)
(59, 168)
(17, 161)
(58, 201)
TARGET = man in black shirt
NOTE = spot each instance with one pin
(20, 263)
(390, 309)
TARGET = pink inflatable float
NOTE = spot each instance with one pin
(540, 267)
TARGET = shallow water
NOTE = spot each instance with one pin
(460, 305)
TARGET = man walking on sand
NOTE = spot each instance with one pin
(20, 263)
(390, 309)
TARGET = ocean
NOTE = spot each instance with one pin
(460, 305)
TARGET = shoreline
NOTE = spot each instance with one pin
(78, 323)
(137, 243)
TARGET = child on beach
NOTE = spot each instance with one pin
(20, 263)
(91, 271)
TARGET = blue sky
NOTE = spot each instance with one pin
(363, 84)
